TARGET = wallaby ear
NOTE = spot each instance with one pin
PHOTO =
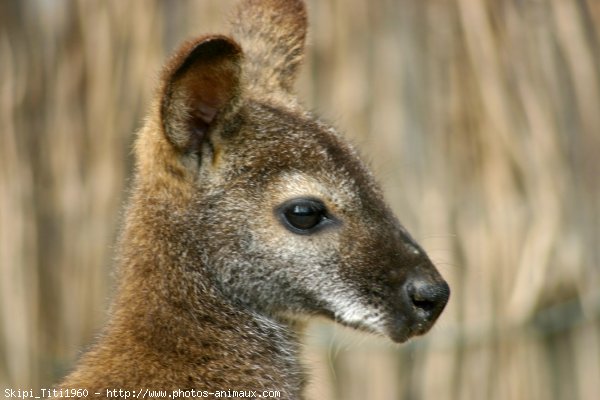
(200, 83)
(273, 35)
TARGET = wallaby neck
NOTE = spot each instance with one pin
(167, 306)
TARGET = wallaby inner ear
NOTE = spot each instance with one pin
(201, 83)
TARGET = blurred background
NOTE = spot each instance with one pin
(481, 118)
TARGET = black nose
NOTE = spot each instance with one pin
(427, 297)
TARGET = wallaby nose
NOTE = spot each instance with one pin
(427, 297)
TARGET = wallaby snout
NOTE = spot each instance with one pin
(395, 280)
(423, 297)
(420, 292)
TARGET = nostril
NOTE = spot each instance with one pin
(428, 297)
(424, 304)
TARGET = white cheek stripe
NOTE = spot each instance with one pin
(348, 308)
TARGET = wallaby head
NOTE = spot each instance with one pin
(246, 206)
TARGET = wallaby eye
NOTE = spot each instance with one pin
(303, 216)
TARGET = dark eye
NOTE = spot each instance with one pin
(303, 216)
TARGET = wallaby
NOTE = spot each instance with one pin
(248, 214)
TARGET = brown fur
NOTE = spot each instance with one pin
(211, 277)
